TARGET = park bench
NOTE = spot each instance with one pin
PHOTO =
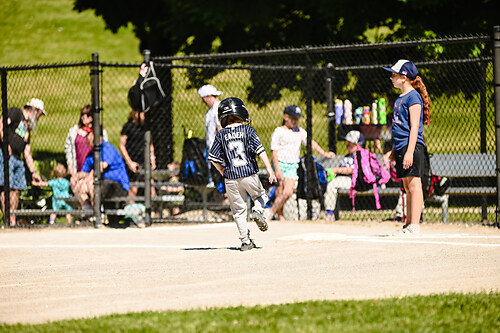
(474, 168)
(161, 202)
(114, 206)
(471, 166)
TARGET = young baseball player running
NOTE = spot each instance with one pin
(233, 154)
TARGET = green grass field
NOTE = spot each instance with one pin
(435, 313)
(48, 31)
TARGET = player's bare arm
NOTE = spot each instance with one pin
(219, 167)
(270, 172)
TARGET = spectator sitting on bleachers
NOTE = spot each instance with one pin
(343, 173)
(115, 181)
(76, 147)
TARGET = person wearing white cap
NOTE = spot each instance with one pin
(343, 173)
(208, 94)
(20, 124)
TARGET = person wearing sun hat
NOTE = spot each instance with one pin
(37, 104)
(411, 113)
(21, 123)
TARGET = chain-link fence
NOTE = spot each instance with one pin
(458, 73)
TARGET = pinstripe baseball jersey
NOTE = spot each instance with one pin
(235, 147)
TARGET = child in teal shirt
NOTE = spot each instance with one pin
(60, 189)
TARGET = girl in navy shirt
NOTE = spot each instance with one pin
(411, 113)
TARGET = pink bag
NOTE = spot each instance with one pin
(367, 174)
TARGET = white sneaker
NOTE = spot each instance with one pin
(407, 230)
(329, 217)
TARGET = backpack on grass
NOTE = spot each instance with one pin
(367, 174)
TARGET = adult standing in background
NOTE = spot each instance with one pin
(132, 149)
(21, 123)
(208, 94)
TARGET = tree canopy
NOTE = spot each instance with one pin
(194, 26)
(173, 27)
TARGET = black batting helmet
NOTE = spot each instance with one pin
(232, 106)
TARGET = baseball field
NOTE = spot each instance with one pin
(303, 276)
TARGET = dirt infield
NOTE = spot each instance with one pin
(72, 273)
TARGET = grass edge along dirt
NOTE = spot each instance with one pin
(454, 312)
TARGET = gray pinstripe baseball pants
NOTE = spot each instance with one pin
(238, 191)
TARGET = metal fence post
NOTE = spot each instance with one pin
(332, 130)
(97, 139)
(5, 152)
(309, 159)
(482, 106)
(482, 127)
(147, 154)
(496, 65)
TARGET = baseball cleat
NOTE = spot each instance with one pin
(249, 246)
(260, 220)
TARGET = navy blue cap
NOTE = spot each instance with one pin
(293, 110)
(404, 67)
